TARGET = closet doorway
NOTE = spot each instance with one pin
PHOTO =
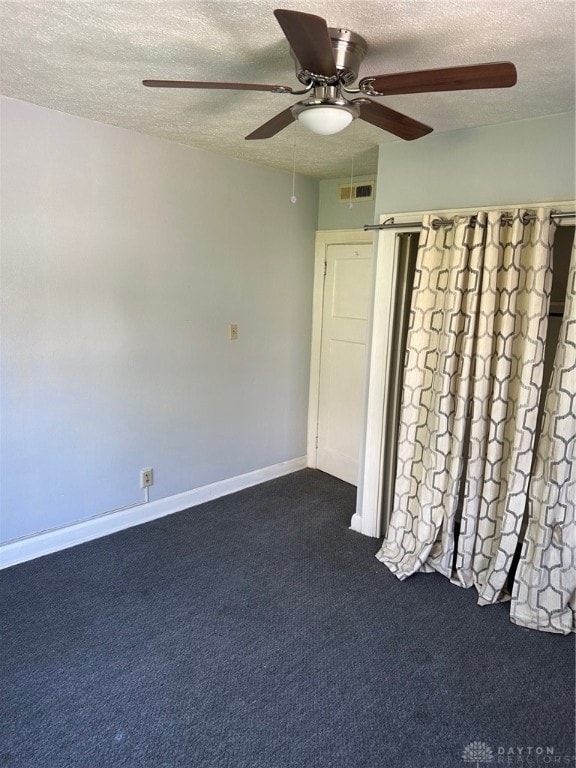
(391, 295)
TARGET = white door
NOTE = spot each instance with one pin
(345, 310)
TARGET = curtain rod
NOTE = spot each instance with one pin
(440, 222)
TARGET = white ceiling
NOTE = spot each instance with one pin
(88, 57)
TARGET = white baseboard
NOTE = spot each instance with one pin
(356, 523)
(37, 545)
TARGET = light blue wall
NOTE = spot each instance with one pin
(332, 214)
(124, 259)
(523, 161)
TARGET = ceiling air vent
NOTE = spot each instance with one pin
(358, 192)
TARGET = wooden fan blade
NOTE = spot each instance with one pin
(221, 86)
(273, 126)
(496, 75)
(390, 120)
(309, 39)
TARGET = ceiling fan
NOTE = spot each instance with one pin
(327, 62)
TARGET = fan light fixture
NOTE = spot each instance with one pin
(325, 116)
(325, 120)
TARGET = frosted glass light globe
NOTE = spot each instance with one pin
(325, 120)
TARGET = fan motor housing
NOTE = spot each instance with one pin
(349, 50)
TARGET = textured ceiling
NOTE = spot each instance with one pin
(88, 57)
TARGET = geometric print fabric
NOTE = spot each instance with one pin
(472, 378)
(509, 367)
(439, 348)
(544, 592)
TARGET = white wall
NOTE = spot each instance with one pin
(332, 214)
(124, 259)
(523, 161)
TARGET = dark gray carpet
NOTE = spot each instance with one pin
(257, 631)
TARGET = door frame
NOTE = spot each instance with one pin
(324, 239)
(368, 516)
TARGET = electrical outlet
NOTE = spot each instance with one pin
(146, 477)
(233, 331)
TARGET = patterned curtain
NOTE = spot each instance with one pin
(544, 592)
(473, 373)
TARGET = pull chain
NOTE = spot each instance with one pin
(293, 198)
(352, 137)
